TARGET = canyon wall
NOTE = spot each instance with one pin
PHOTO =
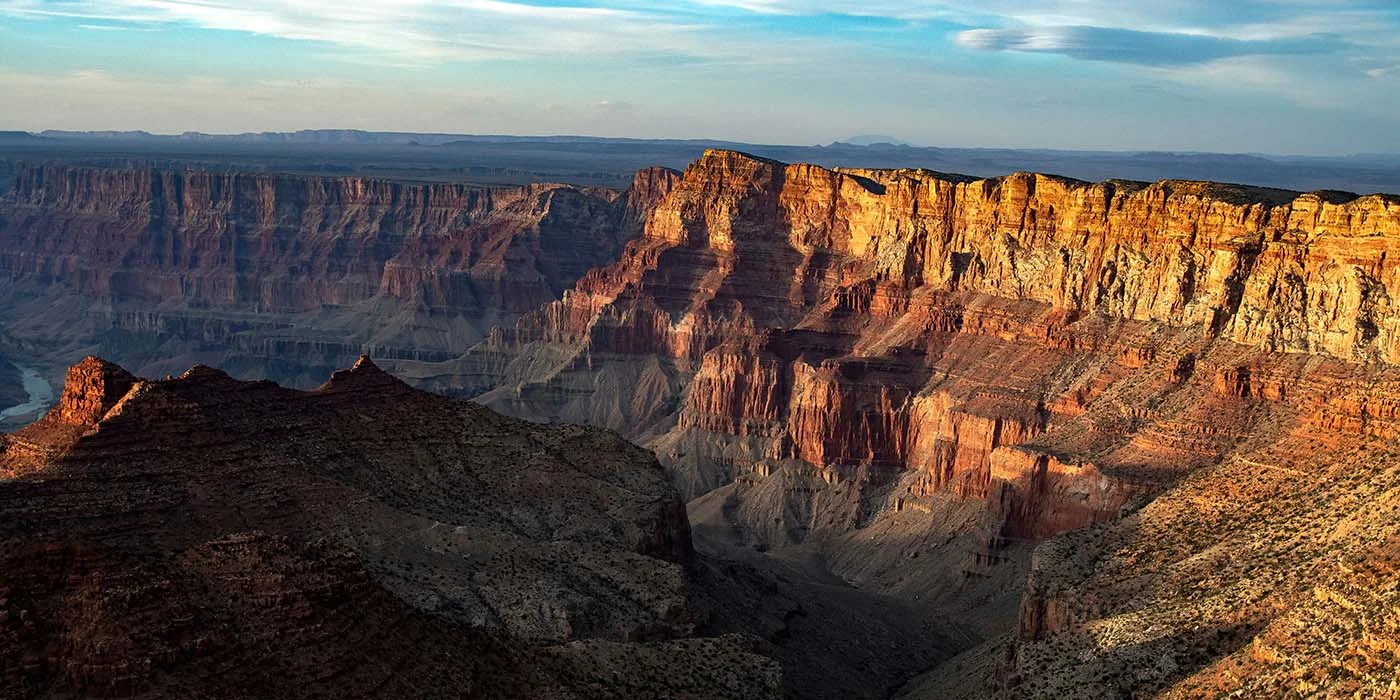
(1058, 349)
(239, 266)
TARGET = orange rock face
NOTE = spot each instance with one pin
(93, 387)
(1056, 348)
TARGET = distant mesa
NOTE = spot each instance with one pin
(873, 140)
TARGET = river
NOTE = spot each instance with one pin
(40, 394)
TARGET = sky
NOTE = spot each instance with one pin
(1260, 76)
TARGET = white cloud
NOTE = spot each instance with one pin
(437, 30)
(1239, 19)
(766, 77)
(1142, 48)
(425, 29)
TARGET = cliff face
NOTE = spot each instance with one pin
(254, 264)
(202, 535)
(1264, 268)
(287, 243)
(816, 315)
(1056, 348)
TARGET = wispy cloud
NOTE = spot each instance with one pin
(1204, 44)
(1147, 48)
(732, 68)
(1151, 33)
(426, 29)
(1216, 17)
(1157, 32)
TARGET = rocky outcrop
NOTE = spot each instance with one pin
(92, 388)
(204, 535)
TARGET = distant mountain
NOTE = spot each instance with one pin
(353, 137)
(611, 162)
(874, 140)
(61, 134)
(305, 136)
(18, 136)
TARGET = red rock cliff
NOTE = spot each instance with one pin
(914, 321)
(285, 276)
(295, 243)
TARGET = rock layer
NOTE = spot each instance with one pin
(1061, 352)
(982, 335)
(288, 276)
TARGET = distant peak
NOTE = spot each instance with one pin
(873, 140)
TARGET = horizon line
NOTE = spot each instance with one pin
(897, 143)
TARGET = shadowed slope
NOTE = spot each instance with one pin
(204, 535)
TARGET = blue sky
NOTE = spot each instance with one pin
(1274, 76)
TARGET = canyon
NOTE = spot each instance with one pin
(1102, 439)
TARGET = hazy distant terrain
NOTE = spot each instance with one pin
(510, 160)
